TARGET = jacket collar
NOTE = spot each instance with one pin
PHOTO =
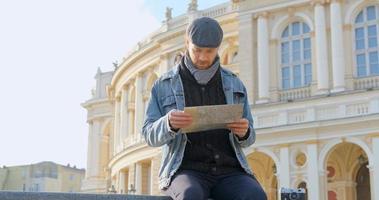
(174, 73)
(177, 86)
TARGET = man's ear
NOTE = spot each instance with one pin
(187, 43)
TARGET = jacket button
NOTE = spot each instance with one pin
(214, 169)
(217, 156)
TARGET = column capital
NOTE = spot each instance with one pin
(146, 95)
(373, 135)
(264, 14)
(284, 146)
(164, 56)
(131, 106)
(139, 74)
(318, 2)
(274, 41)
(131, 81)
(149, 70)
(347, 27)
(125, 87)
(118, 97)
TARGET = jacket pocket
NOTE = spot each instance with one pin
(239, 97)
(168, 103)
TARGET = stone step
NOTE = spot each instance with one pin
(8, 195)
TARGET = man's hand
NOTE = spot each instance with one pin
(179, 119)
(239, 127)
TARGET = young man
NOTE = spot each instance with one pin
(206, 164)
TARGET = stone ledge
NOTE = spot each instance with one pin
(74, 196)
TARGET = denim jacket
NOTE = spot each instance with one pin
(167, 94)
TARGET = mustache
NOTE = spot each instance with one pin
(203, 62)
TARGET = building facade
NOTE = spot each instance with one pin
(41, 177)
(311, 68)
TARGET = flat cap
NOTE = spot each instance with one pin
(205, 32)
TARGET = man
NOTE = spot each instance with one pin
(206, 164)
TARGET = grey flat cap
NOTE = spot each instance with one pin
(205, 32)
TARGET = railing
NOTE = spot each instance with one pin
(292, 94)
(328, 112)
(314, 112)
(220, 10)
(297, 117)
(266, 121)
(357, 109)
(366, 83)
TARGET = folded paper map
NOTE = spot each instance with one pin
(212, 117)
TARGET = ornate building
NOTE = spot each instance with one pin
(312, 73)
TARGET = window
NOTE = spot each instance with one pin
(366, 31)
(295, 51)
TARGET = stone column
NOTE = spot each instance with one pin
(312, 171)
(89, 150)
(374, 169)
(94, 149)
(245, 53)
(131, 119)
(337, 47)
(138, 180)
(131, 178)
(138, 105)
(122, 188)
(104, 155)
(117, 143)
(321, 49)
(284, 173)
(124, 115)
(155, 164)
(263, 59)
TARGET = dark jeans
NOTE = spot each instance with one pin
(189, 184)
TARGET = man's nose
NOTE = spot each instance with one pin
(203, 57)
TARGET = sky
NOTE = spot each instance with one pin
(49, 54)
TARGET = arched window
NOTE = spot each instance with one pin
(366, 41)
(296, 66)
